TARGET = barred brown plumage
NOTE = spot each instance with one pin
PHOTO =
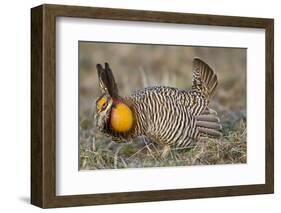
(165, 115)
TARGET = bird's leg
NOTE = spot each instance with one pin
(147, 146)
(166, 151)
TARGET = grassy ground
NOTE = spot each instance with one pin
(97, 152)
(132, 66)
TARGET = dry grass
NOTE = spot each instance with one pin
(170, 67)
(97, 153)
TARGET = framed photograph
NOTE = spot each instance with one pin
(136, 106)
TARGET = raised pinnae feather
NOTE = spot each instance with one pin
(107, 81)
(103, 82)
(112, 82)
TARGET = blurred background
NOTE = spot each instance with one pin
(136, 66)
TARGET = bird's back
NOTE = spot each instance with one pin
(167, 115)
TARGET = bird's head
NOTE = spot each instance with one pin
(113, 113)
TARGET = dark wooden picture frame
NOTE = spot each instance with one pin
(43, 105)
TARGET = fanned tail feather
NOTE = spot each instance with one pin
(204, 78)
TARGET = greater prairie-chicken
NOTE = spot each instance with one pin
(168, 116)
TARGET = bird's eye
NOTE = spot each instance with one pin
(101, 103)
